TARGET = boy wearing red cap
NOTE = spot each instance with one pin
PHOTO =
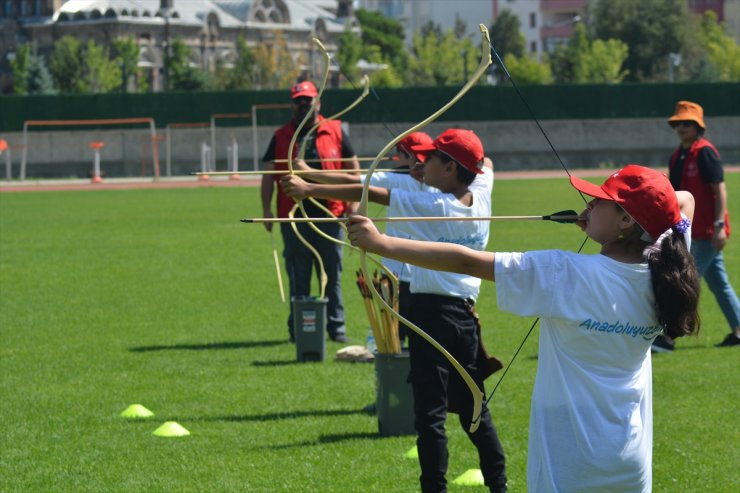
(326, 145)
(442, 303)
(696, 167)
(591, 412)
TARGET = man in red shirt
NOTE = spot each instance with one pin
(324, 150)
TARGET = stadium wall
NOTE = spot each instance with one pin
(589, 125)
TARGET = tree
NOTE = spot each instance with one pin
(241, 76)
(181, 76)
(39, 79)
(651, 28)
(441, 61)
(430, 28)
(505, 35)
(20, 68)
(568, 58)
(350, 51)
(461, 27)
(101, 74)
(581, 61)
(276, 68)
(387, 77)
(722, 50)
(127, 57)
(67, 62)
(387, 34)
(527, 70)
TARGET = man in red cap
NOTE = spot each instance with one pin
(695, 166)
(327, 148)
(441, 303)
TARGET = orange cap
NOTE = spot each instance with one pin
(688, 111)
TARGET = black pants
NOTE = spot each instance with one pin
(404, 307)
(300, 264)
(450, 322)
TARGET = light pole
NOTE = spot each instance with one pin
(166, 62)
(464, 54)
(674, 60)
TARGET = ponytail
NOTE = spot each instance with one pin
(676, 285)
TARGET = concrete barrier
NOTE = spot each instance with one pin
(512, 145)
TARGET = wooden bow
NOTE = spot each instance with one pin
(362, 210)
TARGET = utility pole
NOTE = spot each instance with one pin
(165, 8)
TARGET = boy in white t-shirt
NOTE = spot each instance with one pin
(441, 302)
(409, 176)
(591, 422)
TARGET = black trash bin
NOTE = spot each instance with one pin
(309, 327)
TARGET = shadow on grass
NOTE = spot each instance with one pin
(208, 346)
(283, 362)
(276, 416)
(329, 438)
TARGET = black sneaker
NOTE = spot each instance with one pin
(730, 340)
(340, 338)
(662, 345)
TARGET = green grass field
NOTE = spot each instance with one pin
(161, 297)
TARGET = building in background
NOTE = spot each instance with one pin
(413, 14)
(544, 23)
(210, 28)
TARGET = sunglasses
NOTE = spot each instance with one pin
(683, 123)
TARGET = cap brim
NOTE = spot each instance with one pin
(589, 188)
(303, 95)
(682, 117)
(423, 147)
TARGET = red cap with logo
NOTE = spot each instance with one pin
(412, 140)
(461, 145)
(303, 89)
(645, 194)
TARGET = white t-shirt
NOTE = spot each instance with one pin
(591, 427)
(397, 181)
(473, 234)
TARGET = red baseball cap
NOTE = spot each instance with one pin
(412, 140)
(645, 194)
(304, 89)
(461, 145)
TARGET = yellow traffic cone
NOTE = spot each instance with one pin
(471, 477)
(171, 429)
(136, 411)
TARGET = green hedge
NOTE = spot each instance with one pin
(386, 105)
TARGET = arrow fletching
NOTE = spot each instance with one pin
(562, 217)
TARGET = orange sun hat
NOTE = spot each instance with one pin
(688, 111)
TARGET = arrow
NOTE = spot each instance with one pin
(568, 216)
(297, 172)
(343, 159)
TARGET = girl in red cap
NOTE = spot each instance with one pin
(591, 414)
(441, 303)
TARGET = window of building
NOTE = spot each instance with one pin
(533, 46)
(533, 20)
